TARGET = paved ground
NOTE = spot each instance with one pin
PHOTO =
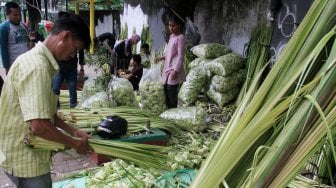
(63, 162)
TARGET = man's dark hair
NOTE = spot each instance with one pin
(75, 24)
(136, 58)
(145, 45)
(10, 5)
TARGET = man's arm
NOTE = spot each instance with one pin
(43, 128)
(81, 62)
(4, 31)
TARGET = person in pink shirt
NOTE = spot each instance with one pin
(173, 71)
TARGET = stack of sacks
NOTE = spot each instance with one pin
(217, 68)
(228, 74)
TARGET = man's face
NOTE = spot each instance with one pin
(68, 47)
(14, 16)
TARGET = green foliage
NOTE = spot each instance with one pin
(123, 32)
(146, 36)
(100, 60)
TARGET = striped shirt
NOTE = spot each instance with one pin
(26, 94)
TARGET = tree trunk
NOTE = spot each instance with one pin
(34, 13)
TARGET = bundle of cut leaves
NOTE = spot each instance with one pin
(276, 130)
(258, 55)
(64, 98)
(147, 156)
(137, 119)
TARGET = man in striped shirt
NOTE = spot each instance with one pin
(28, 105)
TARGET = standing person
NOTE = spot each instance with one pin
(68, 72)
(173, 69)
(134, 72)
(28, 105)
(122, 53)
(14, 36)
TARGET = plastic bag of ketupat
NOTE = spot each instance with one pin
(210, 50)
(196, 80)
(121, 92)
(225, 65)
(188, 118)
(223, 84)
(198, 62)
(151, 91)
(98, 100)
(223, 98)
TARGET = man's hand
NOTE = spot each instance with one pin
(157, 59)
(81, 73)
(83, 146)
(81, 134)
(173, 75)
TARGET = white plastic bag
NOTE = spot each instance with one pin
(121, 92)
(151, 92)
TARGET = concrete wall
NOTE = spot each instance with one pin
(223, 21)
(285, 22)
(229, 21)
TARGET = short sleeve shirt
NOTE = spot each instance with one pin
(26, 95)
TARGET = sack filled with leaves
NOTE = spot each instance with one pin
(222, 98)
(187, 118)
(225, 83)
(121, 91)
(225, 65)
(93, 86)
(198, 62)
(98, 100)
(151, 91)
(210, 50)
(192, 87)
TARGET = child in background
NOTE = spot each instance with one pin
(134, 72)
(145, 55)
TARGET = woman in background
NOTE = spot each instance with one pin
(173, 71)
(122, 53)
